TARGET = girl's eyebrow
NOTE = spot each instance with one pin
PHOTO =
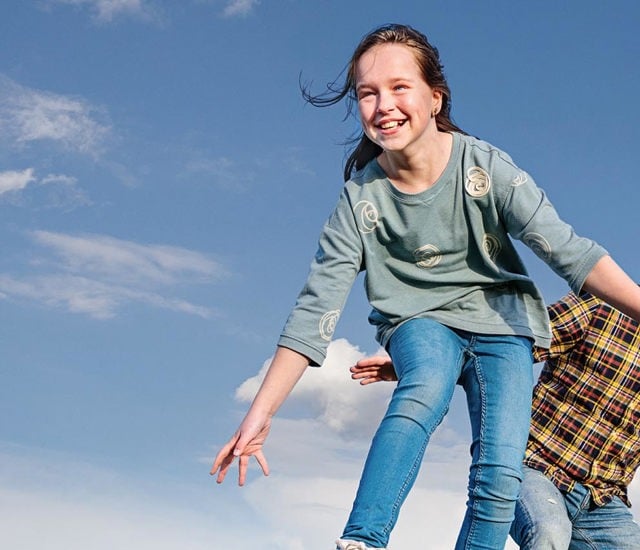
(361, 85)
(392, 80)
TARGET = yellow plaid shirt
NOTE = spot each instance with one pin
(586, 404)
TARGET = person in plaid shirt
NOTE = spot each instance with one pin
(584, 440)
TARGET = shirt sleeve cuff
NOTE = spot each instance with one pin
(316, 357)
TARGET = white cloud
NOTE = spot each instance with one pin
(314, 479)
(28, 115)
(330, 395)
(107, 10)
(15, 180)
(242, 8)
(309, 513)
(316, 463)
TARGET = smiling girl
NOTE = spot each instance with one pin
(429, 212)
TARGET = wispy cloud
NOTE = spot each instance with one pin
(129, 262)
(97, 275)
(24, 187)
(14, 180)
(227, 172)
(97, 299)
(107, 10)
(60, 179)
(239, 8)
(223, 171)
(296, 164)
(63, 192)
(28, 115)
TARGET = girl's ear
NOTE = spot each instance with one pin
(437, 102)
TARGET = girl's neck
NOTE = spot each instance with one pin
(417, 171)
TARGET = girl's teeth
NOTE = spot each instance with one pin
(389, 125)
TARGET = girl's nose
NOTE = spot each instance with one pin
(385, 103)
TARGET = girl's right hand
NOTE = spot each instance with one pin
(247, 441)
(285, 370)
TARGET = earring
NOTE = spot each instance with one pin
(435, 112)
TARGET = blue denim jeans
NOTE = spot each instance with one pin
(547, 519)
(496, 374)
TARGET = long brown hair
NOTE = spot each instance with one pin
(428, 60)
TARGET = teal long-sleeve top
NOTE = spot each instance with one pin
(445, 253)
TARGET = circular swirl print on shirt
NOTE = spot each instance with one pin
(327, 325)
(478, 182)
(492, 245)
(366, 215)
(427, 256)
(520, 179)
(539, 245)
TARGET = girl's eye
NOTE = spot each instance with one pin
(364, 94)
(401, 87)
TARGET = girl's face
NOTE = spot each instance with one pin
(396, 105)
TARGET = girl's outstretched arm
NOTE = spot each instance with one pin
(610, 283)
(284, 372)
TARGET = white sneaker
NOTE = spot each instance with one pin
(354, 545)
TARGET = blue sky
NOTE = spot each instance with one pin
(162, 186)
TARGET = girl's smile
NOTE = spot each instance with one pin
(390, 124)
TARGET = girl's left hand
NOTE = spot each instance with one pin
(374, 369)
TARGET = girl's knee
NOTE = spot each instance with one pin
(496, 482)
(494, 492)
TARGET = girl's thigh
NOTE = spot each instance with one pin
(427, 357)
(498, 381)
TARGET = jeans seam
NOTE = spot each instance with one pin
(585, 538)
(483, 401)
(403, 489)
